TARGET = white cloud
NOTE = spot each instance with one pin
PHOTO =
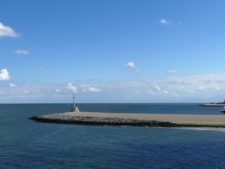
(165, 92)
(156, 88)
(166, 22)
(93, 89)
(40, 68)
(6, 31)
(4, 75)
(172, 71)
(26, 91)
(130, 65)
(22, 52)
(157, 91)
(72, 87)
(90, 89)
(12, 85)
(58, 90)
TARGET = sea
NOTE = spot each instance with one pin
(26, 144)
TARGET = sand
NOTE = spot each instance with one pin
(173, 118)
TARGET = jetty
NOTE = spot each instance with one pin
(131, 119)
(213, 104)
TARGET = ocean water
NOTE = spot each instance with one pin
(25, 144)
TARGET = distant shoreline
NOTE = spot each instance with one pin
(128, 119)
(212, 105)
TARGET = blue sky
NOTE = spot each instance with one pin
(112, 50)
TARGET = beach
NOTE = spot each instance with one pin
(135, 119)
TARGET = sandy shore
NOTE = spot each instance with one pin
(170, 120)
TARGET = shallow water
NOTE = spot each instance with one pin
(28, 144)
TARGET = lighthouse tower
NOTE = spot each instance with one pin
(74, 108)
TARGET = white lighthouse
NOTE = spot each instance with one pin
(74, 108)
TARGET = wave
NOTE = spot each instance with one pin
(203, 129)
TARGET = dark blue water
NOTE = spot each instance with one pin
(26, 144)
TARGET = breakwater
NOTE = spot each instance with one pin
(117, 119)
(101, 121)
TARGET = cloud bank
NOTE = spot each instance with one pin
(174, 88)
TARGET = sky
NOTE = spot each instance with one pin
(120, 51)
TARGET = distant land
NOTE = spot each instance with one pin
(213, 104)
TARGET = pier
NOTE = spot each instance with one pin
(130, 119)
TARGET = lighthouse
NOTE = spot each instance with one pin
(74, 108)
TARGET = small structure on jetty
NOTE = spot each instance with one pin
(74, 108)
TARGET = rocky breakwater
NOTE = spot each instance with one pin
(64, 118)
